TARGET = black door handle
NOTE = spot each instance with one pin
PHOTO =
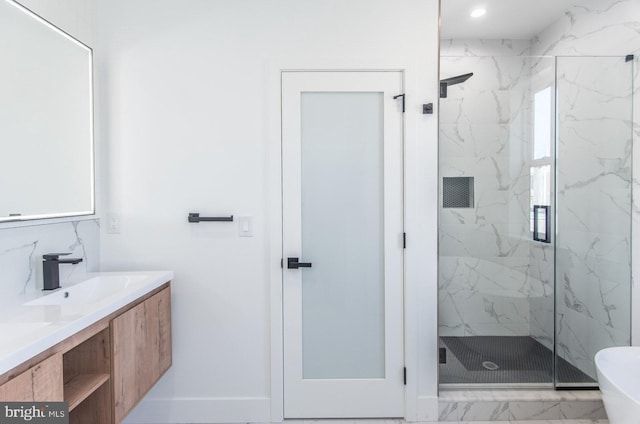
(292, 263)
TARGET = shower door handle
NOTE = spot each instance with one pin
(292, 263)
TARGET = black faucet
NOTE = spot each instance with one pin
(50, 270)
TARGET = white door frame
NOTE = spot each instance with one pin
(382, 396)
(274, 219)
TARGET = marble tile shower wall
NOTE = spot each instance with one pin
(594, 286)
(485, 284)
(593, 268)
(21, 251)
(593, 274)
(541, 255)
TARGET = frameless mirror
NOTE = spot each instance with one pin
(46, 119)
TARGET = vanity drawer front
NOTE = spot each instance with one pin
(40, 383)
(141, 342)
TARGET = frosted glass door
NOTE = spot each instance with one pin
(342, 209)
(342, 230)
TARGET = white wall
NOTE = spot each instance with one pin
(75, 17)
(22, 245)
(185, 93)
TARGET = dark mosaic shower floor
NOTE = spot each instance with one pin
(520, 359)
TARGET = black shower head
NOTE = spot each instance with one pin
(452, 81)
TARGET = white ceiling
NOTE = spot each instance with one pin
(515, 19)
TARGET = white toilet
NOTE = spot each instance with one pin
(618, 371)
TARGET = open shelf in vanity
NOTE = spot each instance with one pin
(86, 369)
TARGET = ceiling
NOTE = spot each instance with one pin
(515, 19)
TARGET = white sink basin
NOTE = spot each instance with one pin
(15, 331)
(20, 333)
(93, 290)
(32, 323)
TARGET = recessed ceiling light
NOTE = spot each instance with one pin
(476, 13)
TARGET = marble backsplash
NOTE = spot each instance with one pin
(21, 251)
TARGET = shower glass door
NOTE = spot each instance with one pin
(593, 212)
(535, 218)
(496, 162)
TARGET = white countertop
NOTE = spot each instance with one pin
(27, 330)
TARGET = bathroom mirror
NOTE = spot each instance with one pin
(46, 119)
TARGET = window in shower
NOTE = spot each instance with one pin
(540, 188)
(542, 110)
(540, 169)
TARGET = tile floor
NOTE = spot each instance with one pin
(527, 422)
(391, 421)
(519, 359)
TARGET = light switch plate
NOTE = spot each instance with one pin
(245, 226)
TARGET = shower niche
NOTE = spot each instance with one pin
(535, 272)
(457, 192)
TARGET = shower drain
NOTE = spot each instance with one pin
(491, 366)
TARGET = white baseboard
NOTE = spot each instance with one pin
(230, 410)
(427, 409)
(201, 410)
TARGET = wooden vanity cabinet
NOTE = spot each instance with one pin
(104, 370)
(40, 383)
(141, 340)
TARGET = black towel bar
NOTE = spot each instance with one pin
(195, 218)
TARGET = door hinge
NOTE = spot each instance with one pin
(281, 263)
(404, 240)
(442, 355)
(404, 374)
(400, 95)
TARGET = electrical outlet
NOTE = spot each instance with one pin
(113, 223)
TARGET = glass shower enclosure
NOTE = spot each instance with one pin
(535, 218)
